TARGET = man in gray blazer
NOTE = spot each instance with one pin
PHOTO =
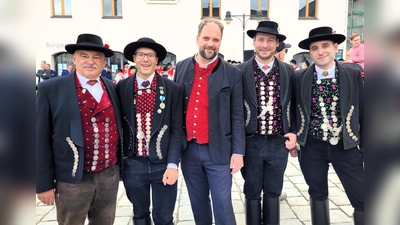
(214, 125)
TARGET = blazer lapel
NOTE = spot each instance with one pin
(306, 86)
(74, 112)
(344, 89)
(284, 78)
(249, 81)
(129, 101)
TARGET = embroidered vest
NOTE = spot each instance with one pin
(100, 130)
(144, 104)
(269, 100)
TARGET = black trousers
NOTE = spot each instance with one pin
(314, 161)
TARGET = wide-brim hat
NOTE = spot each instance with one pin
(145, 42)
(268, 27)
(89, 42)
(320, 34)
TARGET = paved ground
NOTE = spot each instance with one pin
(295, 209)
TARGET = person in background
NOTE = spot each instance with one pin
(330, 128)
(68, 70)
(305, 64)
(52, 72)
(281, 50)
(107, 73)
(132, 70)
(126, 70)
(357, 51)
(165, 72)
(159, 69)
(171, 71)
(214, 126)
(152, 133)
(269, 124)
(43, 74)
(294, 64)
(79, 128)
(118, 76)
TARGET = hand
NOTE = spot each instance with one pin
(170, 176)
(47, 197)
(291, 143)
(236, 163)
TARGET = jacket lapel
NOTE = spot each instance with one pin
(129, 100)
(306, 86)
(284, 77)
(344, 89)
(74, 112)
(249, 82)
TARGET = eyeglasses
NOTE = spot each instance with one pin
(150, 56)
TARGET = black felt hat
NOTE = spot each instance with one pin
(90, 42)
(268, 27)
(282, 45)
(321, 34)
(145, 42)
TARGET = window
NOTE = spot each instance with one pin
(307, 8)
(61, 61)
(257, 5)
(112, 8)
(61, 8)
(210, 8)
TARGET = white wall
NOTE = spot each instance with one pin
(174, 25)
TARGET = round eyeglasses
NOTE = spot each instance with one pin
(150, 56)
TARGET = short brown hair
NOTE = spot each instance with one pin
(354, 36)
(210, 20)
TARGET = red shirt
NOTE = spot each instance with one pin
(197, 111)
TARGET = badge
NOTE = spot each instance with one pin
(334, 141)
(162, 105)
(140, 135)
(159, 111)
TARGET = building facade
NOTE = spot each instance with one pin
(173, 23)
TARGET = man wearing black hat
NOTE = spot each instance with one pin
(214, 126)
(270, 134)
(330, 127)
(78, 129)
(152, 134)
(281, 50)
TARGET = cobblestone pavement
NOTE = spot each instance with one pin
(295, 210)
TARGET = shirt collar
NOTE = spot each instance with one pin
(215, 58)
(269, 64)
(331, 72)
(140, 80)
(84, 80)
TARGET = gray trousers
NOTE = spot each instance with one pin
(95, 197)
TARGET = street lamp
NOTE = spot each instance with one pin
(228, 19)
